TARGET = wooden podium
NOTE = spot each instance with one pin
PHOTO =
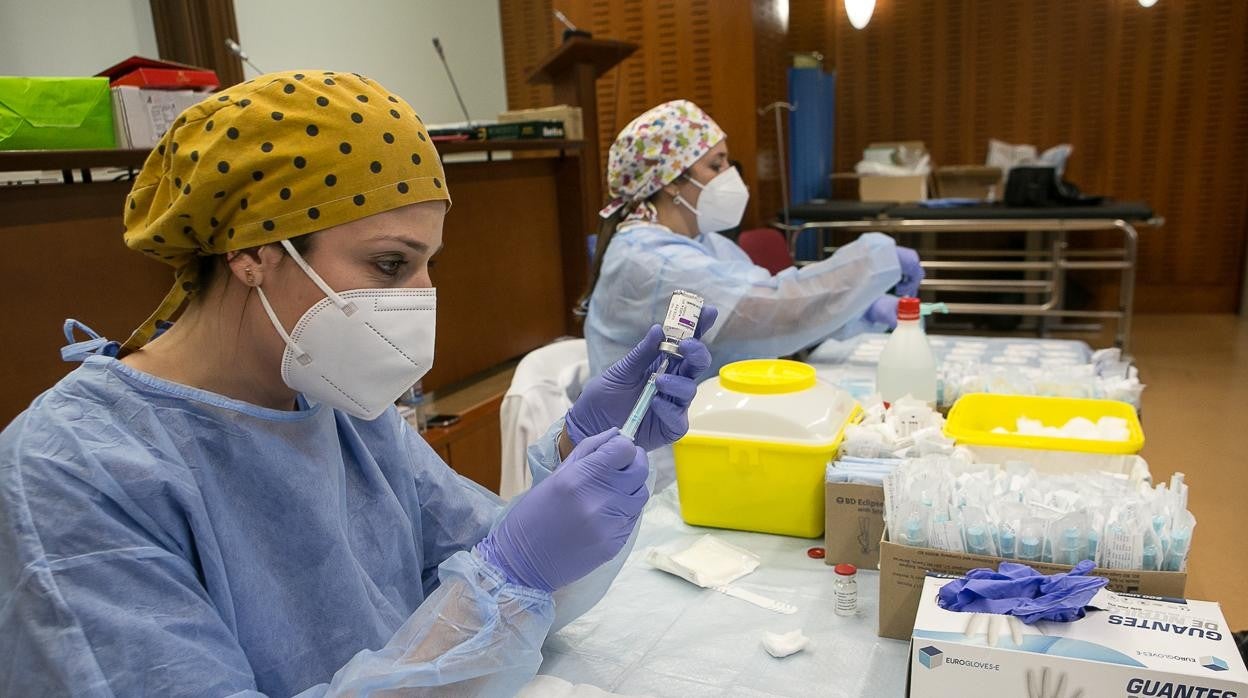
(572, 70)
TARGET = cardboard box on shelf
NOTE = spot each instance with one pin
(141, 116)
(138, 71)
(1128, 646)
(854, 524)
(904, 570)
(901, 189)
(894, 152)
(969, 182)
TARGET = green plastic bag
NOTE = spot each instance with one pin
(55, 113)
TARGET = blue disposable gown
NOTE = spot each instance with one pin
(760, 315)
(161, 540)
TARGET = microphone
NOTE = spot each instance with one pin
(570, 29)
(437, 46)
(237, 50)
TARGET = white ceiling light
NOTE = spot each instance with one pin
(859, 11)
(1147, 3)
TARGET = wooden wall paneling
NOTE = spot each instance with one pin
(574, 241)
(622, 94)
(528, 36)
(64, 251)
(1154, 101)
(771, 64)
(500, 259)
(733, 87)
(703, 50)
(810, 24)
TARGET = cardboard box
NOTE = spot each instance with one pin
(172, 79)
(138, 71)
(854, 524)
(901, 189)
(1130, 647)
(969, 182)
(903, 571)
(894, 152)
(142, 116)
(570, 116)
(55, 113)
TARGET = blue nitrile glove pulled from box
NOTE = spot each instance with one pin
(1019, 591)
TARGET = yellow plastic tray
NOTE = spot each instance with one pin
(753, 484)
(974, 416)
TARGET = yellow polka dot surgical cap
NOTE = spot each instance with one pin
(280, 156)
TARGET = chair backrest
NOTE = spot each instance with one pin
(767, 248)
(546, 383)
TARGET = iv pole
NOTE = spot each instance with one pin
(777, 107)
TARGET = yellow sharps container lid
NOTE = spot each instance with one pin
(767, 376)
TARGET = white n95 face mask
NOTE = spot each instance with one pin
(721, 203)
(357, 351)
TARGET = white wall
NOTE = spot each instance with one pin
(72, 37)
(389, 41)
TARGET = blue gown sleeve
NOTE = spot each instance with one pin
(475, 632)
(761, 314)
(782, 314)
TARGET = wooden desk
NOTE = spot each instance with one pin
(514, 261)
(473, 445)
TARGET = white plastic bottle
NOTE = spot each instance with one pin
(907, 366)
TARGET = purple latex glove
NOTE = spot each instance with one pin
(607, 399)
(911, 272)
(576, 519)
(1024, 593)
(883, 312)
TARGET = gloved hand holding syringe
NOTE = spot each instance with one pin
(665, 394)
(683, 313)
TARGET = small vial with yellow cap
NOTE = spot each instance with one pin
(683, 312)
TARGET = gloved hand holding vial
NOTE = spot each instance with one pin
(683, 312)
(653, 384)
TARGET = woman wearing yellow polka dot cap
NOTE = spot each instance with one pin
(229, 502)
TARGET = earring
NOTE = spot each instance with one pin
(251, 276)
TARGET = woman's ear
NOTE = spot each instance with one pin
(250, 265)
(672, 189)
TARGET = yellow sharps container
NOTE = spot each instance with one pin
(760, 438)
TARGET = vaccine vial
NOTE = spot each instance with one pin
(683, 312)
(845, 589)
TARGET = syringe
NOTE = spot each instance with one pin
(643, 402)
(683, 312)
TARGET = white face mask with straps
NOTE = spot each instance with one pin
(357, 351)
(721, 203)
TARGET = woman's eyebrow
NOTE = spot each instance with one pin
(416, 245)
